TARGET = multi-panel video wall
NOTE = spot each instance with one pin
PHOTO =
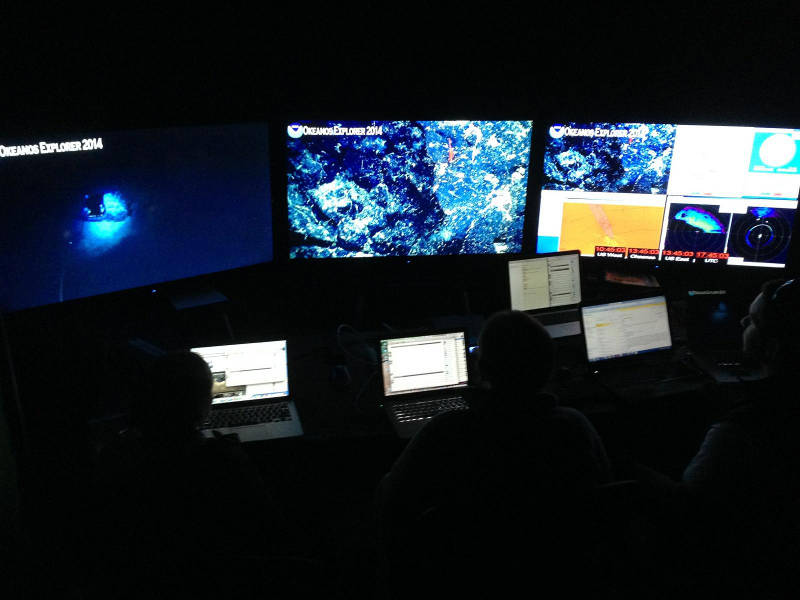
(674, 193)
(96, 213)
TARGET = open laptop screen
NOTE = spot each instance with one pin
(626, 328)
(247, 371)
(424, 363)
(545, 281)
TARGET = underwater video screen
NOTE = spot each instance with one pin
(670, 193)
(87, 215)
(405, 188)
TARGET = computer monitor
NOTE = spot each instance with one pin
(545, 281)
(406, 188)
(102, 212)
(424, 363)
(670, 194)
(243, 372)
(619, 329)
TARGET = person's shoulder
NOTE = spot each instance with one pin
(224, 446)
(568, 413)
(452, 420)
(449, 424)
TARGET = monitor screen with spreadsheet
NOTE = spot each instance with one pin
(424, 363)
(247, 371)
(626, 328)
(545, 281)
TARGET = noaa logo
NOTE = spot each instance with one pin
(557, 131)
(777, 150)
(295, 131)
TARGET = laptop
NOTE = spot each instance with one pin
(250, 394)
(423, 375)
(630, 342)
(548, 286)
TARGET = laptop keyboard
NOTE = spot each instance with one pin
(248, 415)
(427, 409)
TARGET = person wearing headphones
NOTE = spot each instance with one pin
(732, 524)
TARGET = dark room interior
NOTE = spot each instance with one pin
(71, 370)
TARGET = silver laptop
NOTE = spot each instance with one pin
(423, 375)
(548, 286)
(629, 343)
(250, 395)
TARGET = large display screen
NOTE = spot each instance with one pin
(98, 213)
(404, 188)
(670, 193)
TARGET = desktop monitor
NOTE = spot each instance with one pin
(102, 212)
(406, 188)
(677, 194)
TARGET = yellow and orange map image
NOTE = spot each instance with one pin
(584, 226)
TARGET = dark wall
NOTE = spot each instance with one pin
(142, 69)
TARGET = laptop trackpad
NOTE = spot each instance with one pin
(560, 330)
(260, 431)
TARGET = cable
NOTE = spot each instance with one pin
(360, 339)
(362, 389)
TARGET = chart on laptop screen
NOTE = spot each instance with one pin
(670, 193)
(423, 363)
(247, 371)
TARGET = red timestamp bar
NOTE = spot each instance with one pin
(650, 251)
(610, 249)
(716, 255)
(683, 253)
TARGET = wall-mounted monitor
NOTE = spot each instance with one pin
(102, 212)
(670, 193)
(406, 188)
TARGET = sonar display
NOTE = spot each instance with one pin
(672, 193)
(405, 188)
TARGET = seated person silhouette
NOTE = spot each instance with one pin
(168, 495)
(475, 486)
(735, 517)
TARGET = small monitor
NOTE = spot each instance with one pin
(546, 281)
(670, 194)
(102, 212)
(424, 363)
(626, 328)
(406, 188)
(243, 372)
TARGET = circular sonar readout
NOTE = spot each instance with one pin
(761, 234)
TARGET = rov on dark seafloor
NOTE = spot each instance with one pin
(109, 206)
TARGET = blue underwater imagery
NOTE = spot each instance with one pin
(412, 188)
(105, 221)
(700, 219)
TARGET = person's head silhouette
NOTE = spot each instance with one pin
(515, 353)
(772, 326)
(179, 397)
